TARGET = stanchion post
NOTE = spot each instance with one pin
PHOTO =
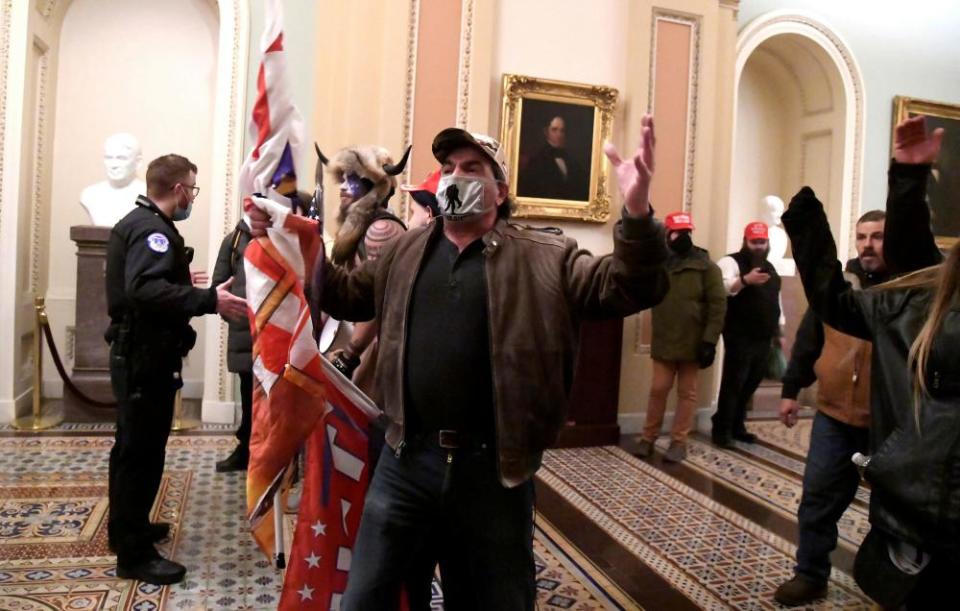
(37, 421)
(181, 422)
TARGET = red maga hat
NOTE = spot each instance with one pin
(679, 221)
(756, 231)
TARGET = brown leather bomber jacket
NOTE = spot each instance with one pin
(539, 287)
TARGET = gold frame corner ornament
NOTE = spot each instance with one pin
(903, 107)
(603, 99)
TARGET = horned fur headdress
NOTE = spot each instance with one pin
(374, 165)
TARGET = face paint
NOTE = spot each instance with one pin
(462, 198)
(355, 186)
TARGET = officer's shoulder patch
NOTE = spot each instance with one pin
(157, 242)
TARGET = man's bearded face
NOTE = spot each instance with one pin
(758, 251)
(870, 246)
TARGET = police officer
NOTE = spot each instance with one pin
(151, 299)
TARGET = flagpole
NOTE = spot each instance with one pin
(278, 530)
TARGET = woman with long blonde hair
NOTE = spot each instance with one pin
(912, 554)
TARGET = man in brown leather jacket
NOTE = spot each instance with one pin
(476, 360)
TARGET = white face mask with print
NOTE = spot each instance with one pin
(461, 198)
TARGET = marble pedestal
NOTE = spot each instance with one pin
(91, 368)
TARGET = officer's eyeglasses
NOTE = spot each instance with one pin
(194, 188)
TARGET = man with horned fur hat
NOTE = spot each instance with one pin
(366, 179)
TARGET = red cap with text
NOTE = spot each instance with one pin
(678, 221)
(756, 231)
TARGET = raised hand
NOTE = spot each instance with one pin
(635, 175)
(912, 143)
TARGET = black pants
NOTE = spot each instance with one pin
(431, 506)
(744, 365)
(246, 408)
(144, 414)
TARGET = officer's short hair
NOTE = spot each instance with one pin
(165, 172)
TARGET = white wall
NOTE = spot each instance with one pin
(559, 39)
(902, 48)
(129, 65)
(762, 118)
(789, 130)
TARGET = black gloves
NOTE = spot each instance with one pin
(706, 354)
(346, 364)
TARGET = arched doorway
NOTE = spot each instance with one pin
(798, 120)
(799, 108)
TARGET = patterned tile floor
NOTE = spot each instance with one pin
(715, 557)
(53, 552)
(786, 462)
(771, 487)
(794, 441)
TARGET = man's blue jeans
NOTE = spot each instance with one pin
(830, 483)
(434, 506)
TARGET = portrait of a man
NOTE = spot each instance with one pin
(943, 188)
(555, 150)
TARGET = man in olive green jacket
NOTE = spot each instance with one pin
(686, 326)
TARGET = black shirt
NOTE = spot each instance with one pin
(449, 379)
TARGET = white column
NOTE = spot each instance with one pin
(228, 116)
(14, 24)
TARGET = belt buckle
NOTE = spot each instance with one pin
(448, 440)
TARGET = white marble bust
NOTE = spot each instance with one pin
(110, 200)
(771, 211)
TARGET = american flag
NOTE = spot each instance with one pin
(276, 127)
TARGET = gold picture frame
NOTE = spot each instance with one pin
(557, 182)
(944, 199)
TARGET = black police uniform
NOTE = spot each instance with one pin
(150, 299)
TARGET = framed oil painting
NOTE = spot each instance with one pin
(943, 189)
(553, 134)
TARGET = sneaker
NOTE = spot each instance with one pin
(237, 461)
(644, 449)
(676, 452)
(800, 590)
(745, 437)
